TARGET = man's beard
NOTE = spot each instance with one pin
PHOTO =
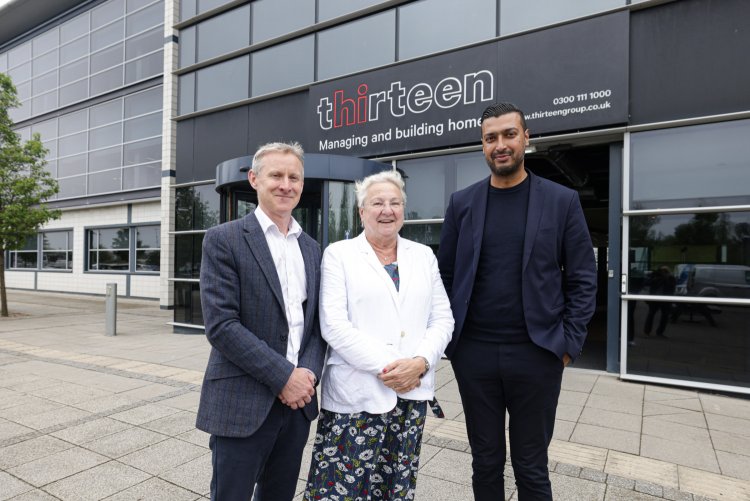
(505, 170)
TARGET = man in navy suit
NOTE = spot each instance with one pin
(259, 291)
(518, 264)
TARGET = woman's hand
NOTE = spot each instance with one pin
(402, 375)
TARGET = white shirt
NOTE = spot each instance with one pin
(290, 267)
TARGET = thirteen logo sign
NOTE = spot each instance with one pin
(339, 110)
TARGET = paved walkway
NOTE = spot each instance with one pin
(84, 416)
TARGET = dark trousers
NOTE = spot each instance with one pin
(270, 457)
(523, 379)
(653, 308)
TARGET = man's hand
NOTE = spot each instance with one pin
(566, 360)
(299, 389)
(402, 375)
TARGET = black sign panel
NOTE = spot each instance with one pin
(427, 103)
(570, 77)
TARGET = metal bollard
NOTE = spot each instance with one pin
(111, 310)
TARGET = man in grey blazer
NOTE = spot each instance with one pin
(259, 290)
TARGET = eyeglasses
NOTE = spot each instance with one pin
(381, 204)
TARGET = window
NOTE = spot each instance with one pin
(520, 15)
(25, 257)
(224, 33)
(328, 9)
(110, 249)
(298, 68)
(272, 18)
(232, 77)
(57, 250)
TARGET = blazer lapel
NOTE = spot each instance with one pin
(369, 257)
(478, 214)
(256, 240)
(405, 268)
(534, 214)
(308, 256)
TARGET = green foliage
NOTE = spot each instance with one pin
(24, 183)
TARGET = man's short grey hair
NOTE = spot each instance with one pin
(386, 176)
(288, 148)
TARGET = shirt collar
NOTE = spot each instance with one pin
(266, 224)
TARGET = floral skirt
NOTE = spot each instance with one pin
(362, 457)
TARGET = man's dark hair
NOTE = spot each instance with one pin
(498, 109)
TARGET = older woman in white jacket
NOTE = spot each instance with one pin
(387, 319)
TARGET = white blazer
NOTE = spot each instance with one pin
(369, 324)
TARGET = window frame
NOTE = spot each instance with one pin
(131, 249)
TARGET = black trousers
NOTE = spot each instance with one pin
(270, 457)
(523, 379)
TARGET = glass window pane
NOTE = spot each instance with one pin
(45, 63)
(328, 9)
(44, 83)
(70, 145)
(298, 68)
(224, 33)
(20, 73)
(433, 25)
(146, 18)
(187, 46)
(109, 11)
(105, 182)
(31, 243)
(21, 113)
(106, 58)
(358, 45)
(55, 240)
(188, 9)
(44, 103)
(520, 15)
(25, 260)
(51, 167)
(76, 91)
(141, 176)
(114, 238)
(109, 80)
(669, 171)
(205, 207)
(105, 136)
(143, 102)
(706, 253)
(131, 5)
(20, 54)
(74, 28)
(144, 43)
(140, 152)
(72, 187)
(106, 113)
(272, 18)
(142, 127)
(23, 91)
(45, 42)
(206, 5)
(71, 166)
(187, 303)
(187, 259)
(3, 62)
(230, 76)
(148, 237)
(108, 158)
(704, 342)
(72, 122)
(74, 50)
(112, 261)
(145, 67)
(187, 93)
(108, 35)
(74, 71)
(147, 260)
(47, 129)
(56, 260)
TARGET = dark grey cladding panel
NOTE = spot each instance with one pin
(218, 136)
(317, 166)
(278, 119)
(185, 158)
(689, 58)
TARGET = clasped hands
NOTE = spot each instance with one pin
(402, 375)
(299, 389)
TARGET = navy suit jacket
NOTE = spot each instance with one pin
(245, 319)
(558, 288)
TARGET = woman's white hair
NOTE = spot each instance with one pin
(386, 176)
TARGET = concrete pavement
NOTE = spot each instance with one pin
(86, 417)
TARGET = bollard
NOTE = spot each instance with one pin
(111, 310)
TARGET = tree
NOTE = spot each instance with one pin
(24, 185)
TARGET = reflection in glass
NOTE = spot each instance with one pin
(708, 253)
(141, 176)
(187, 260)
(196, 208)
(224, 33)
(520, 15)
(669, 171)
(701, 342)
(272, 18)
(106, 81)
(147, 248)
(343, 215)
(298, 68)
(427, 234)
(106, 249)
(187, 303)
(328, 9)
(232, 77)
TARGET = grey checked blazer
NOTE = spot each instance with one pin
(243, 311)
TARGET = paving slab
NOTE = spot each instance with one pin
(30, 450)
(91, 430)
(711, 485)
(124, 442)
(195, 475)
(610, 419)
(165, 455)
(566, 488)
(680, 453)
(609, 438)
(97, 483)
(641, 468)
(11, 486)
(154, 489)
(56, 466)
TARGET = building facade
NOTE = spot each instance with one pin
(150, 110)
